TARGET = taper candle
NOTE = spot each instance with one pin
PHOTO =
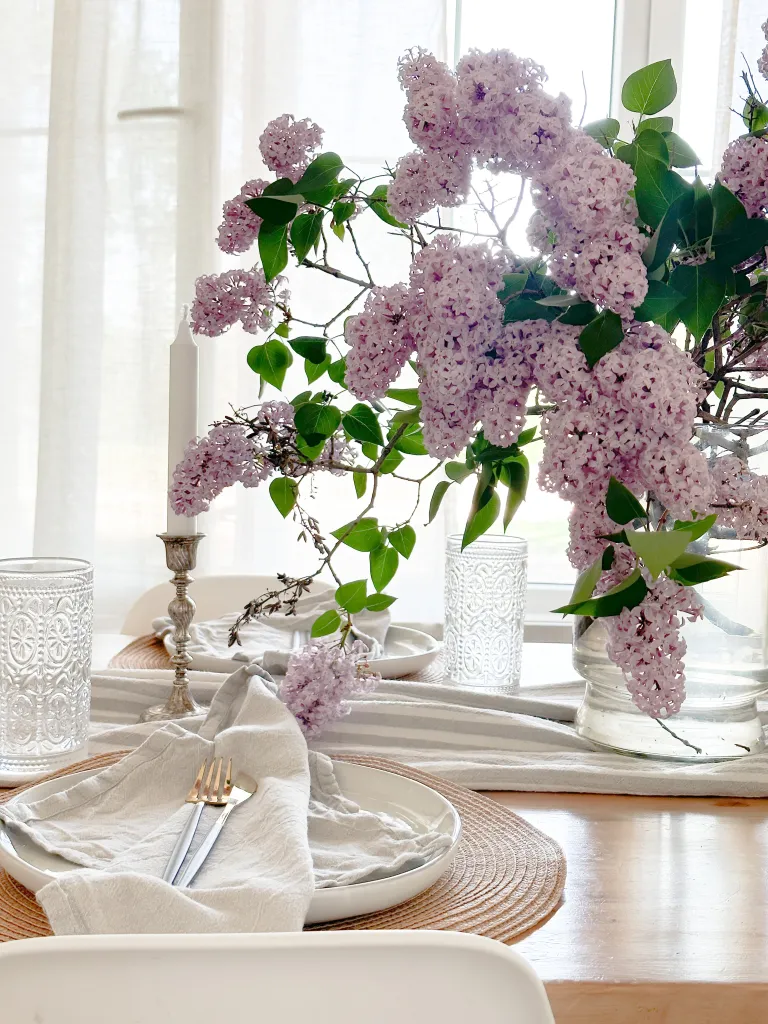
(182, 412)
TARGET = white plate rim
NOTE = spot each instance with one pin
(377, 894)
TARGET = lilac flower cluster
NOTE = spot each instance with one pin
(745, 173)
(287, 146)
(226, 455)
(762, 60)
(645, 642)
(240, 226)
(222, 300)
(740, 498)
(493, 110)
(320, 678)
(381, 341)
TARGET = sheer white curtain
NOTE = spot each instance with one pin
(123, 126)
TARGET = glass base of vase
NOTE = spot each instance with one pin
(695, 734)
(15, 770)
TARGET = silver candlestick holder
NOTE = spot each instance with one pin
(180, 557)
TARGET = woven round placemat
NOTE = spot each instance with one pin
(144, 652)
(507, 878)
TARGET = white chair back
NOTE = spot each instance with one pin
(375, 977)
(213, 596)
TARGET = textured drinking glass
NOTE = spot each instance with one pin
(46, 627)
(485, 589)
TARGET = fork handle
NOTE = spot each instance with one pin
(183, 843)
(205, 847)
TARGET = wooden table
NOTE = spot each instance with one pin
(665, 917)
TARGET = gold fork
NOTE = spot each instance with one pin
(206, 789)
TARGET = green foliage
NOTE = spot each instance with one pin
(661, 299)
(283, 330)
(361, 483)
(605, 131)
(283, 492)
(390, 462)
(352, 596)
(305, 233)
(621, 504)
(650, 89)
(680, 153)
(696, 527)
(648, 149)
(336, 371)
(275, 210)
(735, 237)
(579, 315)
(271, 361)
(754, 114)
(407, 396)
(690, 569)
(378, 203)
(436, 501)
(273, 248)
(703, 290)
(657, 124)
(342, 212)
(314, 371)
(658, 548)
(316, 423)
(313, 349)
(515, 474)
(601, 336)
(322, 172)
(362, 425)
(483, 515)
(627, 594)
(383, 564)
(326, 623)
(378, 602)
(403, 540)
(411, 441)
(457, 471)
(363, 535)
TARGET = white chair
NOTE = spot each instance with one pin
(376, 977)
(213, 596)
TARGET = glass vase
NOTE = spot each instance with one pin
(726, 661)
(46, 626)
(485, 593)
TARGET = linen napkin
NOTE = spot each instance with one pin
(121, 825)
(270, 639)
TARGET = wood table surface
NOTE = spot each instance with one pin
(665, 916)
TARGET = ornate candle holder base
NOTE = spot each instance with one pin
(180, 557)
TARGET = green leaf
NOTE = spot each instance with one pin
(659, 548)
(735, 237)
(270, 361)
(703, 212)
(437, 498)
(648, 148)
(392, 459)
(310, 451)
(407, 416)
(315, 370)
(361, 483)
(283, 493)
(483, 519)
(561, 299)
(703, 290)
(378, 602)
(666, 234)
(403, 540)
(411, 441)
(313, 349)
(305, 232)
(361, 424)
(627, 594)
(650, 89)
(661, 298)
(621, 504)
(515, 475)
(579, 315)
(526, 436)
(273, 248)
(601, 336)
(408, 396)
(680, 153)
(338, 230)
(657, 124)
(528, 309)
(342, 212)
(656, 189)
(363, 535)
(605, 131)
(513, 285)
(457, 471)
(275, 211)
(336, 371)
(326, 623)
(585, 584)
(755, 114)
(283, 330)
(317, 423)
(323, 170)
(690, 569)
(384, 562)
(696, 527)
(352, 596)
(378, 203)
(300, 399)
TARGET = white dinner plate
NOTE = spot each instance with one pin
(371, 788)
(406, 650)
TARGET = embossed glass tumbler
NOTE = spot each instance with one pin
(485, 591)
(46, 628)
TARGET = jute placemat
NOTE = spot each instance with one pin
(506, 879)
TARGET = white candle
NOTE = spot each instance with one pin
(182, 413)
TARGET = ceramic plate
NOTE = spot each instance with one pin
(406, 650)
(371, 788)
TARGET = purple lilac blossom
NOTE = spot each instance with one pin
(287, 146)
(740, 498)
(762, 60)
(225, 456)
(223, 299)
(320, 678)
(240, 226)
(745, 173)
(380, 341)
